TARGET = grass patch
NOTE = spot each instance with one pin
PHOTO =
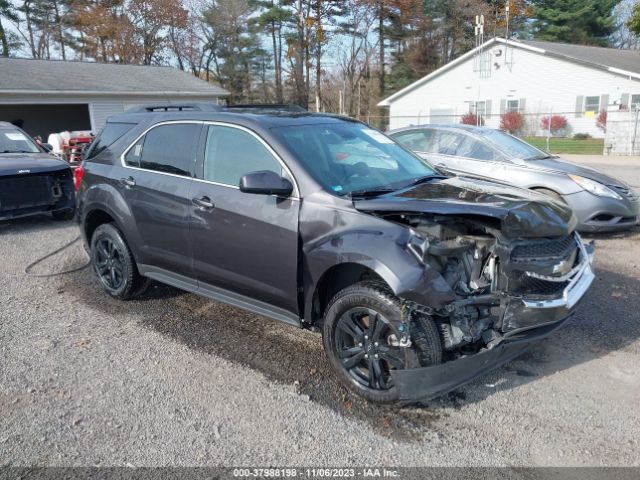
(591, 146)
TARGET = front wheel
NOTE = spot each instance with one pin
(361, 340)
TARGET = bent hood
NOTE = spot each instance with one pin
(522, 213)
(557, 165)
(24, 163)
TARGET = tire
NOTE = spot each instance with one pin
(348, 318)
(62, 215)
(550, 193)
(113, 263)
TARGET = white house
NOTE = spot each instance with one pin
(52, 95)
(533, 78)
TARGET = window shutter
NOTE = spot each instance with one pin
(625, 100)
(579, 106)
(487, 109)
(523, 105)
(503, 106)
(604, 102)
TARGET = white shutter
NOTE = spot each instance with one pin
(579, 106)
(101, 111)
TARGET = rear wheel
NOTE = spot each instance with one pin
(114, 264)
(361, 336)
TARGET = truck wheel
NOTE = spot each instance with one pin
(361, 341)
(114, 264)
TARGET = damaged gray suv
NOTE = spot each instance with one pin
(418, 282)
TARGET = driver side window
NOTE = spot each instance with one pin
(231, 153)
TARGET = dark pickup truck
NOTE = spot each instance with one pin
(418, 281)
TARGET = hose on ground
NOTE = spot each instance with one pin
(28, 269)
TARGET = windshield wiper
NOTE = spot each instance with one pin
(540, 157)
(371, 192)
(425, 179)
(15, 151)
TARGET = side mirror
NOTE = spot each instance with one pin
(47, 147)
(266, 182)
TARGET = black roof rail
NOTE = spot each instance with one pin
(282, 107)
(176, 107)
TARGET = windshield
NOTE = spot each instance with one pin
(14, 141)
(513, 146)
(348, 158)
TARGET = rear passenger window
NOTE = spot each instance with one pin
(109, 134)
(418, 141)
(231, 153)
(166, 148)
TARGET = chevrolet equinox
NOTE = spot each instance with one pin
(419, 282)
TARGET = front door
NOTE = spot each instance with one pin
(243, 243)
(156, 183)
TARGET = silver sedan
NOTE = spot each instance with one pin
(601, 203)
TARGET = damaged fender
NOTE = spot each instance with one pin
(369, 241)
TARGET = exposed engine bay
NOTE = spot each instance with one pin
(502, 286)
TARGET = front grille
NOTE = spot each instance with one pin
(535, 286)
(25, 192)
(549, 249)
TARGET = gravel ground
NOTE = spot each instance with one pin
(174, 379)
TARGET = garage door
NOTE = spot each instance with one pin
(101, 111)
(42, 120)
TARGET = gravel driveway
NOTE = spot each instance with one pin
(174, 379)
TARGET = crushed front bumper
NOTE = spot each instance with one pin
(525, 321)
(428, 382)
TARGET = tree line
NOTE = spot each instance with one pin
(329, 55)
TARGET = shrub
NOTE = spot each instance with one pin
(581, 136)
(472, 119)
(511, 122)
(558, 124)
(601, 122)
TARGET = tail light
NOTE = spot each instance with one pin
(78, 173)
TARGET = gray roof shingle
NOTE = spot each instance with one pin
(628, 60)
(17, 74)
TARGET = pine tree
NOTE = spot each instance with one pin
(584, 22)
(634, 22)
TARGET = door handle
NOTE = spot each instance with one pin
(203, 203)
(128, 182)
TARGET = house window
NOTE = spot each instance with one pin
(635, 102)
(480, 108)
(513, 105)
(592, 104)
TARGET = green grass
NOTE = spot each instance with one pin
(591, 146)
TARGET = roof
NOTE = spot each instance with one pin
(621, 62)
(628, 60)
(19, 75)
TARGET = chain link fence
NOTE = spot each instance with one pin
(616, 132)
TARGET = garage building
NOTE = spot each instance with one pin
(52, 96)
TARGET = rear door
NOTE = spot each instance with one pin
(156, 182)
(243, 243)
